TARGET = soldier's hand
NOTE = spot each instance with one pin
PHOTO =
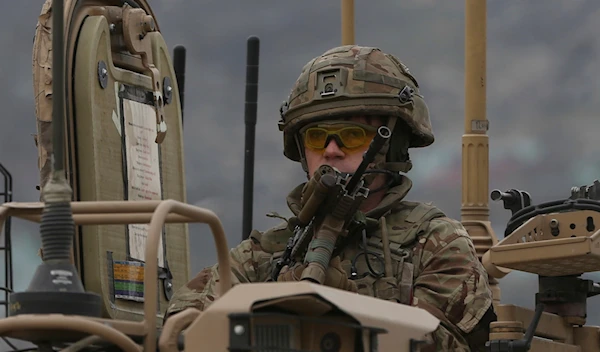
(336, 276)
(291, 274)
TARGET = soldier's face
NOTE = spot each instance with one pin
(344, 159)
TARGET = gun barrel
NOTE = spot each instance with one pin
(383, 134)
(497, 195)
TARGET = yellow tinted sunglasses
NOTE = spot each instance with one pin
(348, 136)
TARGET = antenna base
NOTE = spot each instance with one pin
(55, 289)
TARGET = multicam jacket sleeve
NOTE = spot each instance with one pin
(249, 263)
(452, 284)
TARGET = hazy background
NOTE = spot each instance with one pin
(542, 102)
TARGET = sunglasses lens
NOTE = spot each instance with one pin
(352, 137)
(316, 137)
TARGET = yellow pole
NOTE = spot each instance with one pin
(347, 22)
(475, 141)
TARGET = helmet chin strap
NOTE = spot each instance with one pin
(303, 162)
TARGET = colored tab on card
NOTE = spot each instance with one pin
(129, 280)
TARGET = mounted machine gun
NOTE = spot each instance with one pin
(558, 241)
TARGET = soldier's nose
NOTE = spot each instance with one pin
(333, 150)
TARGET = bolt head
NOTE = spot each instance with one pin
(239, 330)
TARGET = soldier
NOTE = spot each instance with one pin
(330, 117)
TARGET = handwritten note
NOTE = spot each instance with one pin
(143, 172)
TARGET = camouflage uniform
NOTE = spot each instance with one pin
(434, 263)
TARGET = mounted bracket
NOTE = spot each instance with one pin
(136, 25)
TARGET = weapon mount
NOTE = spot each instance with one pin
(558, 241)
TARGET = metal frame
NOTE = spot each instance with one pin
(156, 213)
(7, 193)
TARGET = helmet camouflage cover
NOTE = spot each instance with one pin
(351, 81)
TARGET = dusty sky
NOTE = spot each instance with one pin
(542, 102)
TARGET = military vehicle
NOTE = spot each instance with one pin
(109, 105)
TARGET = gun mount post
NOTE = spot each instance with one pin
(475, 145)
(516, 345)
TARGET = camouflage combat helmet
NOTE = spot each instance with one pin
(355, 80)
